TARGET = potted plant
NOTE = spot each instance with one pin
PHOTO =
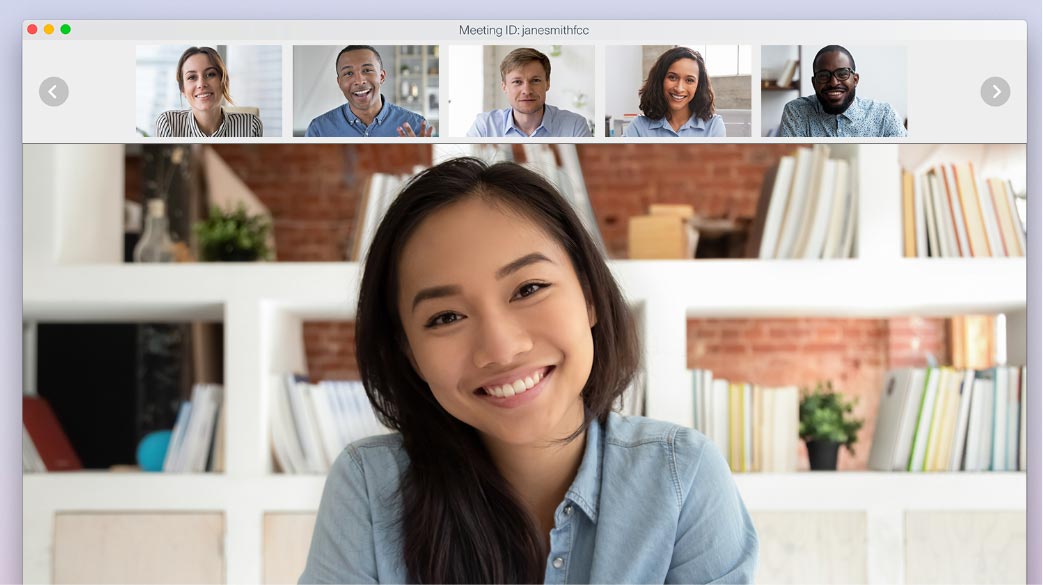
(826, 423)
(233, 236)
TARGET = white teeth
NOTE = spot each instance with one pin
(516, 387)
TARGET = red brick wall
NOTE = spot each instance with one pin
(313, 190)
(718, 180)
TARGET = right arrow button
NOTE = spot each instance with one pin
(995, 91)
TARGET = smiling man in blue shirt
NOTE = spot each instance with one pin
(525, 79)
(835, 111)
(360, 73)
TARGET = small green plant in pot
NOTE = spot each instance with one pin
(826, 423)
(233, 236)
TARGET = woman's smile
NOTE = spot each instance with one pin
(506, 330)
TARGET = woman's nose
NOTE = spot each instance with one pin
(500, 341)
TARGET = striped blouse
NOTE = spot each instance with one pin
(181, 124)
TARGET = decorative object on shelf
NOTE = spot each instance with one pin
(167, 174)
(44, 442)
(152, 450)
(555, 51)
(155, 244)
(233, 236)
(826, 423)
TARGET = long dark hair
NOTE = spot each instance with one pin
(653, 98)
(462, 522)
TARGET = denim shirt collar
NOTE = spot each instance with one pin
(385, 111)
(585, 490)
(508, 121)
(693, 122)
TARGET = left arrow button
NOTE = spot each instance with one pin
(54, 91)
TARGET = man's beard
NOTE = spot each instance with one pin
(844, 105)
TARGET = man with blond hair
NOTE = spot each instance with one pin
(525, 80)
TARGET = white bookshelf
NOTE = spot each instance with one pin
(75, 276)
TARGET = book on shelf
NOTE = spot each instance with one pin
(31, 460)
(312, 423)
(43, 440)
(755, 427)
(972, 340)
(949, 211)
(382, 188)
(786, 75)
(809, 210)
(192, 446)
(380, 191)
(950, 419)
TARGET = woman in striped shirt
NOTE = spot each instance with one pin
(203, 80)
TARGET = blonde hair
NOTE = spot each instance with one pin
(521, 57)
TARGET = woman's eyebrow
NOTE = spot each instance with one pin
(521, 263)
(435, 292)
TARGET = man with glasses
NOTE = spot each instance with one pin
(835, 111)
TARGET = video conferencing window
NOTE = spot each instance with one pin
(290, 295)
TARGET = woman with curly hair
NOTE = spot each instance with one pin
(677, 99)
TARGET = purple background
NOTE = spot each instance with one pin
(14, 12)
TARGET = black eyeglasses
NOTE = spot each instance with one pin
(842, 74)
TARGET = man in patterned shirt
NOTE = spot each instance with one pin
(834, 111)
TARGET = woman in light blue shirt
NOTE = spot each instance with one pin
(677, 99)
(492, 336)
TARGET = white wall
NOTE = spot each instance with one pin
(465, 89)
(572, 72)
(882, 72)
(623, 77)
(73, 204)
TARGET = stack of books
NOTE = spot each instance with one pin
(949, 212)
(197, 442)
(755, 427)
(312, 423)
(945, 419)
(807, 208)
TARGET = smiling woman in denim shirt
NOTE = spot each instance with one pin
(677, 99)
(492, 336)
